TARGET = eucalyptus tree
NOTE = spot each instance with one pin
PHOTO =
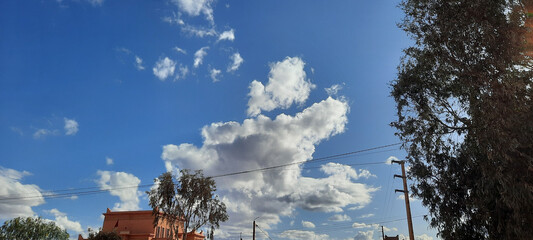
(465, 115)
(188, 199)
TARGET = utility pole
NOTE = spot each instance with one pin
(382, 233)
(253, 234)
(406, 195)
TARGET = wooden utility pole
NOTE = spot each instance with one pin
(253, 234)
(382, 233)
(406, 195)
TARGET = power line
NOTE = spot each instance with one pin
(75, 191)
(263, 232)
(307, 161)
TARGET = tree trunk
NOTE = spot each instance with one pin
(185, 226)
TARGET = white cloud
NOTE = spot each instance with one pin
(175, 18)
(109, 161)
(164, 68)
(411, 198)
(417, 237)
(183, 71)
(17, 130)
(62, 220)
(199, 56)
(227, 35)
(41, 133)
(298, 234)
(199, 31)
(355, 208)
(11, 187)
(180, 50)
(368, 235)
(123, 185)
(196, 7)
(139, 63)
(423, 237)
(364, 225)
(214, 74)
(333, 90)
(71, 126)
(287, 84)
(367, 215)
(261, 142)
(307, 224)
(236, 62)
(96, 2)
(386, 229)
(365, 173)
(390, 159)
(340, 218)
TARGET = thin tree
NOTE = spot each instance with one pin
(189, 201)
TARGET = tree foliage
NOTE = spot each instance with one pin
(190, 200)
(465, 115)
(31, 228)
(103, 235)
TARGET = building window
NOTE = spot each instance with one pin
(157, 232)
(168, 233)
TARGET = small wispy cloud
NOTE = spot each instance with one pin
(307, 224)
(214, 74)
(390, 159)
(180, 50)
(96, 2)
(109, 161)
(199, 31)
(183, 70)
(164, 68)
(227, 35)
(199, 56)
(43, 132)
(339, 218)
(333, 90)
(367, 215)
(139, 63)
(236, 62)
(196, 7)
(71, 126)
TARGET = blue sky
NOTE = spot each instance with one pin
(105, 94)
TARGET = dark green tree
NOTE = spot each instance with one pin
(465, 115)
(93, 235)
(189, 200)
(31, 228)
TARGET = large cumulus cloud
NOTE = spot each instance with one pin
(261, 142)
(17, 198)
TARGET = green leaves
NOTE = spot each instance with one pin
(31, 228)
(190, 199)
(465, 106)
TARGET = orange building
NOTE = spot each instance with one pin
(138, 225)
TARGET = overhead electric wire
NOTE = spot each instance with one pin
(263, 232)
(75, 191)
(307, 161)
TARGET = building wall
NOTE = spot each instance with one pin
(138, 225)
